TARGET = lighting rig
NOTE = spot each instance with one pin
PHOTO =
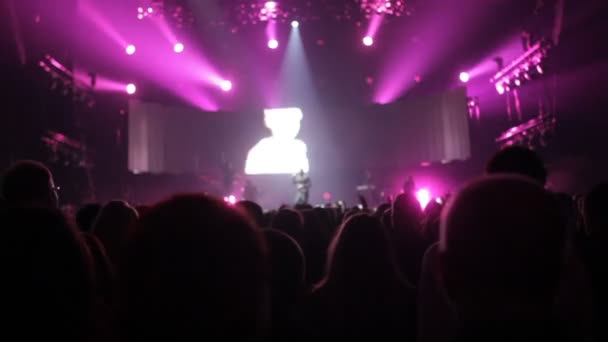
(251, 12)
(63, 78)
(385, 7)
(533, 133)
(176, 11)
(528, 66)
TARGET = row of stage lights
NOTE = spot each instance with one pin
(224, 85)
(131, 49)
(273, 43)
(523, 69)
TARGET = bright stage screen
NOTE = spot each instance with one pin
(280, 153)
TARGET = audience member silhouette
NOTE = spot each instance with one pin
(363, 296)
(29, 183)
(407, 235)
(105, 289)
(85, 216)
(195, 269)
(113, 225)
(289, 222)
(595, 252)
(501, 253)
(287, 283)
(518, 160)
(253, 211)
(47, 283)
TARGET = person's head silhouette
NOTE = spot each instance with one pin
(29, 183)
(284, 124)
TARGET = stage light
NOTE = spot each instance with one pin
(131, 89)
(295, 24)
(273, 44)
(368, 41)
(500, 88)
(130, 49)
(424, 197)
(270, 5)
(140, 9)
(464, 77)
(150, 10)
(226, 85)
(539, 68)
(178, 48)
(231, 200)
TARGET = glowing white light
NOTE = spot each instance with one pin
(178, 48)
(231, 200)
(273, 44)
(424, 197)
(500, 88)
(226, 85)
(464, 77)
(130, 49)
(281, 153)
(368, 41)
(295, 24)
(131, 88)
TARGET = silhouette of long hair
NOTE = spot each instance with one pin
(361, 255)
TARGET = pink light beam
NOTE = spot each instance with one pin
(87, 9)
(374, 25)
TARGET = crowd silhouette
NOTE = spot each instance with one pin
(503, 259)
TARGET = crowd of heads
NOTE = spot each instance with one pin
(502, 259)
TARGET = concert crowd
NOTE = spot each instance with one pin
(502, 259)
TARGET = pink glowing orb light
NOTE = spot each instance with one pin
(131, 88)
(424, 197)
(231, 200)
(270, 5)
(327, 196)
(178, 48)
(464, 77)
(368, 41)
(130, 49)
(226, 85)
(273, 44)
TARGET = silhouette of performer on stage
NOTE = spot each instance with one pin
(303, 184)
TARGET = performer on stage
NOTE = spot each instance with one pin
(303, 184)
(368, 189)
(250, 191)
(227, 177)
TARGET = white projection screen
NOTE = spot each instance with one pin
(281, 152)
(178, 139)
